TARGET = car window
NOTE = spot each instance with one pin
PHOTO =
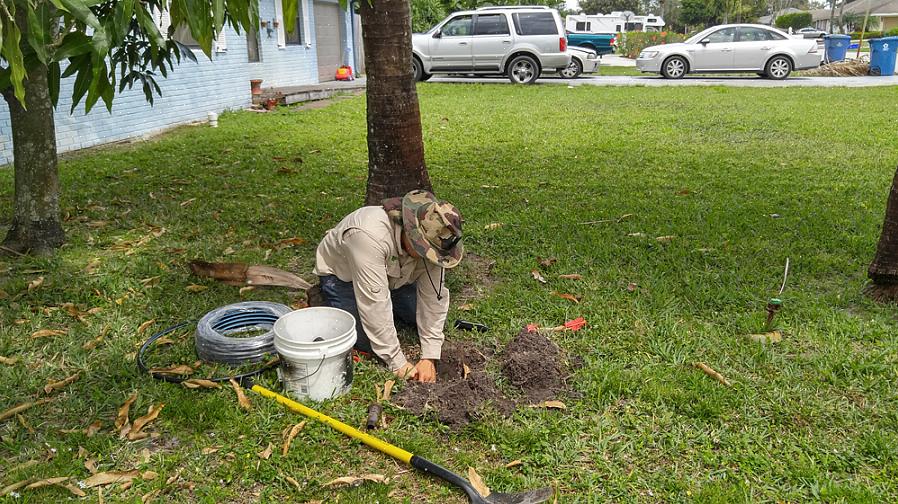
(460, 26)
(535, 23)
(750, 34)
(491, 24)
(722, 36)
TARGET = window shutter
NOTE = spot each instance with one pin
(279, 18)
(306, 31)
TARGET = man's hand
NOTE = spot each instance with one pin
(406, 371)
(425, 371)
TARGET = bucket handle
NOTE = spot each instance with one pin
(313, 372)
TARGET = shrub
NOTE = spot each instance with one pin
(867, 35)
(795, 20)
(892, 33)
(632, 43)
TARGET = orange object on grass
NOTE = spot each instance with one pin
(344, 73)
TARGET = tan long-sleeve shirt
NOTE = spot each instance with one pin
(365, 249)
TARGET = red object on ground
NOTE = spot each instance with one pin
(344, 73)
(256, 86)
(576, 324)
(532, 328)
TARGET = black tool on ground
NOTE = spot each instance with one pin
(774, 304)
(465, 325)
(374, 412)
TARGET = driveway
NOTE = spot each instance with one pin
(728, 81)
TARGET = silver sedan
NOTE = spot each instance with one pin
(760, 49)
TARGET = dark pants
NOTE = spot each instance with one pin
(339, 294)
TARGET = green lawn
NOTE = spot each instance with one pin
(741, 178)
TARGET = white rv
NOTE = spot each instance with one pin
(615, 22)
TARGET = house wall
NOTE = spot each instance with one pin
(188, 94)
(889, 23)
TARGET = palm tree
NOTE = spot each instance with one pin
(395, 145)
(883, 271)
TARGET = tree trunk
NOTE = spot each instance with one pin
(395, 145)
(883, 271)
(36, 225)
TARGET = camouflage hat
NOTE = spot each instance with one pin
(433, 228)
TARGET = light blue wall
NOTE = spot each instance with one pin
(188, 94)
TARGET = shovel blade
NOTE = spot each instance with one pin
(530, 497)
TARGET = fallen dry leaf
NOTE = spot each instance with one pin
(537, 276)
(550, 405)
(514, 463)
(109, 477)
(573, 276)
(187, 202)
(196, 383)
(45, 333)
(8, 489)
(143, 327)
(466, 307)
(140, 423)
(46, 482)
(209, 450)
(177, 370)
(708, 370)
(266, 453)
(34, 284)
(547, 262)
(91, 466)
(290, 435)
(665, 239)
(631, 287)
(493, 225)
(768, 337)
(150, 496)
(477, 482)
(195, 288)
(9, 361)
(570, 297)
(121, 418)
(466, 370)
(288, 242)
(93, 428)
(293, 482)
(242, 400)
(20, 408)
(74, 490)
(388, 389)
(244, 290)
(636, 235)
(358, 480)
(50, 387)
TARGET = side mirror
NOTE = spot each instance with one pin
(705, 41)
(438, 34)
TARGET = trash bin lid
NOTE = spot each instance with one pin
(837, 36)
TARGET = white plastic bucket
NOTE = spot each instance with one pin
(315, 347)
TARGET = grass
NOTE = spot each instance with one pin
(741, 178)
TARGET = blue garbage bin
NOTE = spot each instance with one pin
(883, 52)
(836, 47)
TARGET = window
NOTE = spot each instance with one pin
(458, 27)
(294, 38)
(633, 26)
(535, 23)
(722, 36)
(582, 26)
(748, 34)
(182, 35)
(492, 24)
(252, 46)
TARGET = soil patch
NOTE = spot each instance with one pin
(466, 390)
(477, 272)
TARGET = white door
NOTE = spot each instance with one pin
(491, 41)
(753, 47)
(451, 47)
(328, 39)
(717, 54)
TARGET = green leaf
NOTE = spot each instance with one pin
(82, 81)
(218, 15)
(80, 11)
(97, 84)
(39, 31)
(75, 43)
(124, 13)
(100, 41)
(145, 20)
(12, 53)
(53, 78)
(290, 8)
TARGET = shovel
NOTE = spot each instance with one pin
(420, 463)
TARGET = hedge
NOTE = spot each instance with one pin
(795, 20)
(632, 43)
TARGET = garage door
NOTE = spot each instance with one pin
(328, 39)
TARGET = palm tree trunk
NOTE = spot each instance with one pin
(395, 145)
(883, 271)
(36, 225)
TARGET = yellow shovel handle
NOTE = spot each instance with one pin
(373, 442)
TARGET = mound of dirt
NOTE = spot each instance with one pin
(533, 363)
(464, 390)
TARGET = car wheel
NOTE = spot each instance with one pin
(573, 70)
(418, 69)
(778, 68)
(675, 67)
(523, 70)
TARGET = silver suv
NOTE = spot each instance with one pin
(519, 42)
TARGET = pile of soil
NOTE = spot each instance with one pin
(531, 363)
